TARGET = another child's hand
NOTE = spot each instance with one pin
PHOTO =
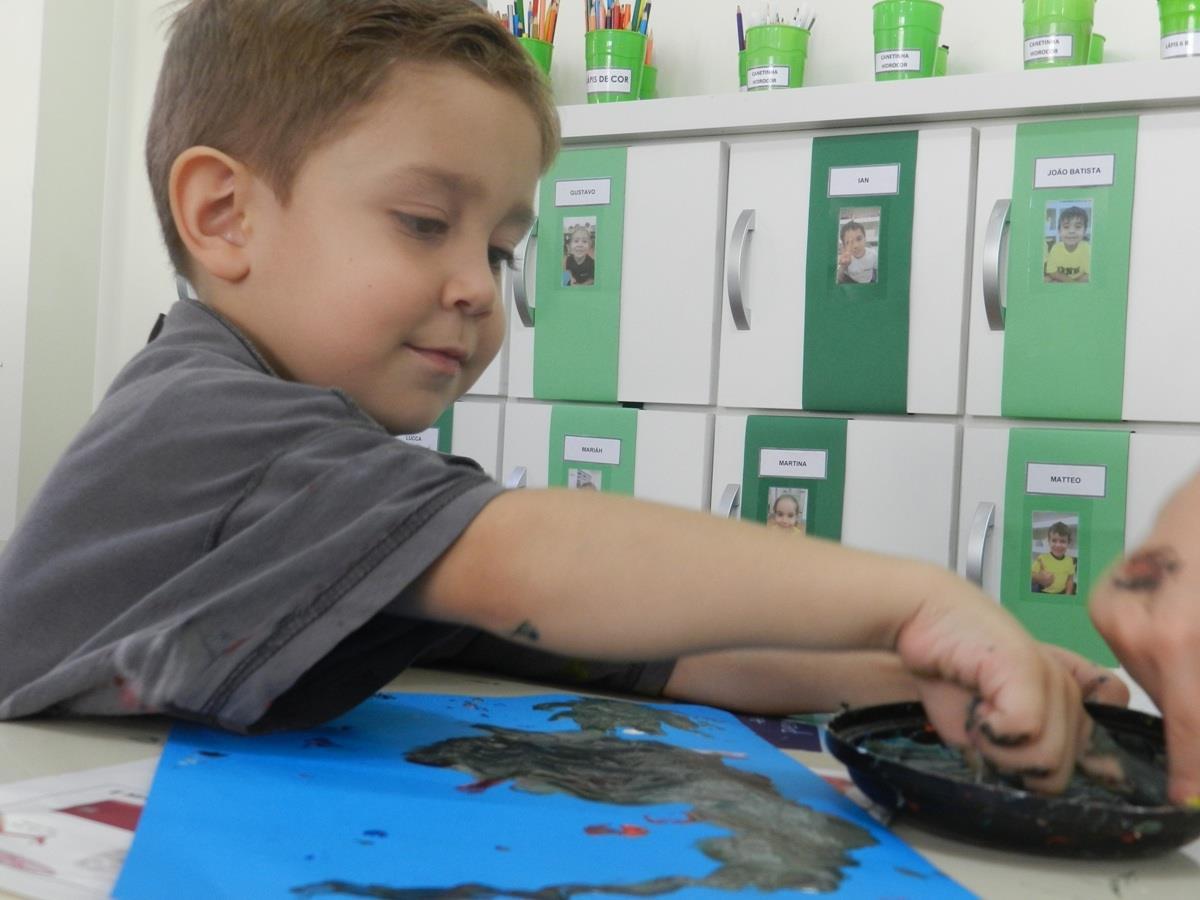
(986, 684)
(1148, 609)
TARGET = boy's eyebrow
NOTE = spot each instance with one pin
(461, 186)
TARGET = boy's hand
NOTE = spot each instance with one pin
(986, 684)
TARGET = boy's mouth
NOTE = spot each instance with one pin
(445, 359)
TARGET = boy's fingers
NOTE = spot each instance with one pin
(1035, 728)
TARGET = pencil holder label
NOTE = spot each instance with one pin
(768, 76)
(614, 61)
(1064, 523)
(906, 38)
(1058, 32)
(775, 57)
(1068, 269)
(898, 61)
(593, 448)
(794, 474)
(1175, 46)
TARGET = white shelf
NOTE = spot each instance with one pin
(1067, 91)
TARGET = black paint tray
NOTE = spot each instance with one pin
(1080, 823)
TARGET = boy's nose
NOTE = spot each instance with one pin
(472, 289)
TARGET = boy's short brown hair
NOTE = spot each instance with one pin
(266, 81)
(1061, 529)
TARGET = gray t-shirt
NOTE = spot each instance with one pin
(223, 545)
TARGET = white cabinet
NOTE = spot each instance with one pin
(1159, 462)
(477, 428)
(763, 366)
(1163, 319)
(899, 485)
(672, 458)
(671, 269)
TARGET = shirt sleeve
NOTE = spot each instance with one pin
(279, 621)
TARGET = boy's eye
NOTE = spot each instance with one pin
(421, 226)
(498, 256)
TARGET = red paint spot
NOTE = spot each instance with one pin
(478, 787)
(232, 647)
(623, 831)
(116, 813)
(1130, 837)
(1055, 840)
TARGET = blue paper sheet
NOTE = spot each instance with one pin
(427, 796)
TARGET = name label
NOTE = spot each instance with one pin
(1066, 481)
(610, 81)
(1075, 171)
(768, 77)
(864, 181)
(427, 438)
(898, 61)
(1049, 46)
(1186, 43)
(592, 449)
(774, 463)
(588, 192)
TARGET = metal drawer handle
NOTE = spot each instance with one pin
(981, 525)
(995, 247)
(525, 312)
(730, 504)
(739, 246)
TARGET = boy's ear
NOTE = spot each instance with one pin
(209, 191)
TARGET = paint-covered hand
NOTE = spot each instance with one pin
(1148, 609)
(988, 686)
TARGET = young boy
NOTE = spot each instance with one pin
(857, 263)
(1070, 259)
(235, 537)
(1054, 572)
(579, 265)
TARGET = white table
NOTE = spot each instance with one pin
(39, 748)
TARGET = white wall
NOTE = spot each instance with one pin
(20, 67)
(68, 198)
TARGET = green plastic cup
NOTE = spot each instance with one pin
(741, 70)
(649, 89)
(906, 38)
(1180, 21)
(941, 61)
(614, 59)
(1058, 32)
(775, 56)
(1096, 49)
(541, 51)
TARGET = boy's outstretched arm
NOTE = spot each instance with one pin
(612, 578)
